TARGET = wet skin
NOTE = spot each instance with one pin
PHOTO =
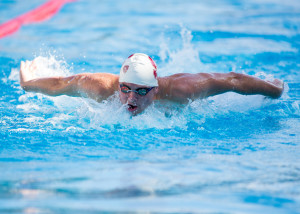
(134, 102)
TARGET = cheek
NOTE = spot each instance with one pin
(149, 100)
(146, 102)
(123, 97)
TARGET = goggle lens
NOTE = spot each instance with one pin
(125, 89)
(140, 91)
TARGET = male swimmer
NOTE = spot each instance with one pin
(138, 84)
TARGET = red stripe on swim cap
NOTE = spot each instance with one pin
(155, 73)
(153, 63)
(130, 56)
(155, 67)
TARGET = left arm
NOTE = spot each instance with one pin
(184, 87)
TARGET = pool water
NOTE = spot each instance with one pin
(226, 154)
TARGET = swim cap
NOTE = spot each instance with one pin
(139, 69)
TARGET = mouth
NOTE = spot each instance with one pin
(131, 108)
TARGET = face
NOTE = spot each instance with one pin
(136, 102)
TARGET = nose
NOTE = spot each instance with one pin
(132, 97)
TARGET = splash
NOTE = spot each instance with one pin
(47, 67)
(44, 12)
(184, 60)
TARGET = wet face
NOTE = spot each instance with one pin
(136, 97)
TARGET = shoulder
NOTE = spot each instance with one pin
(175, 87)
(183, 87)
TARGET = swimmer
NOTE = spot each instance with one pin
(138, 84)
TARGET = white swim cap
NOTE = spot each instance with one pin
(139, 69)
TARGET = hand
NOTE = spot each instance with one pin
(278, 83)
(28, 71)
(279, 87)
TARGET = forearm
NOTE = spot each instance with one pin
(52, 86)
(248, 85)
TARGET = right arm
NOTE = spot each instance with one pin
(97, 86)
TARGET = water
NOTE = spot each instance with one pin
(225, 154)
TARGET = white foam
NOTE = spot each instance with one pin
(50, 66)
(182, 60)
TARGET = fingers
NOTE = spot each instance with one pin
(33, 66)
(22, 66)
(27, 71)
(278, 83)
(26, 66)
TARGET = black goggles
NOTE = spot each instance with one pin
(140, 91)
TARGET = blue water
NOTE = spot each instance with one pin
(225, 154)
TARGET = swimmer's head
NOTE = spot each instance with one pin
(138, 82)
(139, 69)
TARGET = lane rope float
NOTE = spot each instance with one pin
(39, 14)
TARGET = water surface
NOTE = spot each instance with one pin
(225, 154)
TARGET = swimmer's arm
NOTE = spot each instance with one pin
(52, 86)
(96, 86)
(245, 84)
(186, 87)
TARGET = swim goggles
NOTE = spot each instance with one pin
(140, 91)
